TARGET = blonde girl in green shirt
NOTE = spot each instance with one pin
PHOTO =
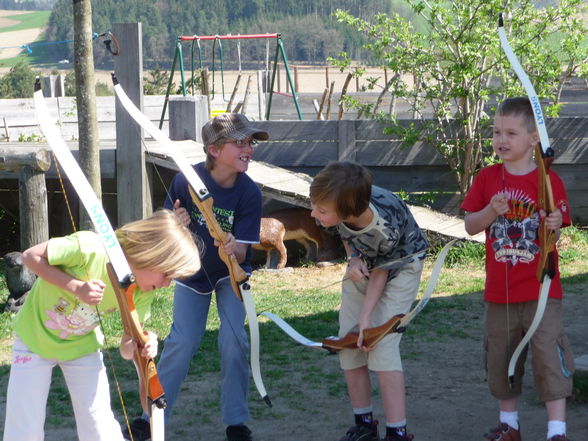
(58, 323)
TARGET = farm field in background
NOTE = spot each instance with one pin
(18, 28)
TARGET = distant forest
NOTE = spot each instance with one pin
(309, 32)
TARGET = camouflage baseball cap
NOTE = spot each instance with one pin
(230, 126)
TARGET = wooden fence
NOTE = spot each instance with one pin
(307, 146)
(303, 146)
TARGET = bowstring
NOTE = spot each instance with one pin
(324, 287)
(506, 268)
(87, 275)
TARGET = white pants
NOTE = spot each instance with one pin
(28, 388)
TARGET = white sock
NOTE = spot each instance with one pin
(555, 427)
(510, 418)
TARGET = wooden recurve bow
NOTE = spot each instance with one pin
(544, 156)
(371, 336)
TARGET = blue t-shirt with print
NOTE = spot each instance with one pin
(237, 210)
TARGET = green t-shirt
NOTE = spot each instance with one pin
(54, 323)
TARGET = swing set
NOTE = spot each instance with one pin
(217, 41)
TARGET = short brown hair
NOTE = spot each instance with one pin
(519, 106)
(346, 184)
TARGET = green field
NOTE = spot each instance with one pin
(37, 19)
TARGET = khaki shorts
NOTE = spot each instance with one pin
(553, 362)
(398, 296)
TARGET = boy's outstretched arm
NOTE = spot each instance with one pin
(478, 221)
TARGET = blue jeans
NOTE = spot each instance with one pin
(182, 343)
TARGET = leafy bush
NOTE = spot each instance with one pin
(18, 82)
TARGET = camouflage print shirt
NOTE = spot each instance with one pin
(391, 235)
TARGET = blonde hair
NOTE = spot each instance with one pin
(160, 243)
(347, 185)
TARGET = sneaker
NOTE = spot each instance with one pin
(503, 432)
(362, 433)
(239, 433)
(559, 438)
(140, 429)
(407, 437)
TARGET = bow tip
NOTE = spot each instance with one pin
(268, 401)
(511, 381)
(114, 78)
(500, 20)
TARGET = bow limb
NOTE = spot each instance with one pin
(371, 336)
(151, 391)
(119, 270)
(544, 156)
(204, 201)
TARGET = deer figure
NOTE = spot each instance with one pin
(296, 224)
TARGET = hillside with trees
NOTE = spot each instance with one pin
(309, 32)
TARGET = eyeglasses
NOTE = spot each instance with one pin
(241, 142)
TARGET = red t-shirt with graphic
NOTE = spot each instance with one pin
(512, 247)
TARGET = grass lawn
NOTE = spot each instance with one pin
(308, 298)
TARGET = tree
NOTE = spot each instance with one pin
(18, 82)
(451, 50)
(89, 148)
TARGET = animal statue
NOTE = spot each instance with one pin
(19, 280)
(297, 224)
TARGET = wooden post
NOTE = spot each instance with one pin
(133, 190)
(320, 109)
(343, 93)
(279, 80)
(346, 148)
(187, 115)
(6, 129)
(32, 192)
(234, 94)
(206, 88)
(296, 83)
(261, 86)
(246, 95)
(32, 204)
(330, 100)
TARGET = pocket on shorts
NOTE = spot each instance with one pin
(566, 358)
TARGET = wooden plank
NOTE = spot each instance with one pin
(300, 130)
(317, 153)
(393, 153)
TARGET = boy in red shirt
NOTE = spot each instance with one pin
(503, 202)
